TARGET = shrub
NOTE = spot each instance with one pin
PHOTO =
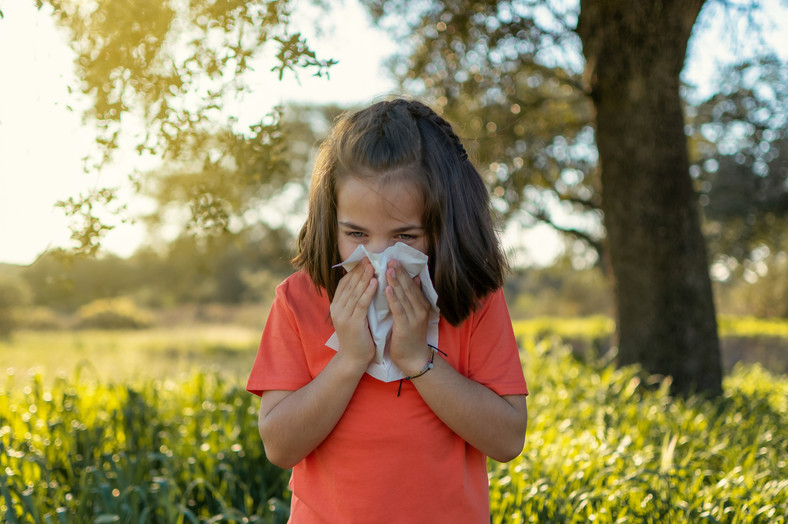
(13, 295)
(39, 318)
(115, 313)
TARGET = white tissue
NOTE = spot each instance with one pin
(379, 316)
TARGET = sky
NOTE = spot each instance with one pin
(43, 138)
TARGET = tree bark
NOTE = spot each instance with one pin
(665, 311)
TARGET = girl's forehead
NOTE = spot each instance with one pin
(399, 197)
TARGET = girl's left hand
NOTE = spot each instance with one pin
(411, 312)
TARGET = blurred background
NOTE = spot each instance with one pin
(155, 157)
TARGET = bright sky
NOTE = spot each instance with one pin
(42, 141)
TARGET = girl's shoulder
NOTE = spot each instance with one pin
(491, 305)
(298, 286)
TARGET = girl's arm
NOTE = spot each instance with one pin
(493, 424)
(293, 423)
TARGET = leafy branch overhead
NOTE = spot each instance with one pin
(514, 78)
(163, 74)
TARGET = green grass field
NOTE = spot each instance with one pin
(158, 428)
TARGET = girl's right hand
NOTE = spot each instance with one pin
(353, 296)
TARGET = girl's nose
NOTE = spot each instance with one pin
(379, 246)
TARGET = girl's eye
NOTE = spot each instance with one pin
(406, 236)
(355, 234)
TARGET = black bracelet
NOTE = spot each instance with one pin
(428, 366)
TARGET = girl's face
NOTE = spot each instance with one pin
(379, 215)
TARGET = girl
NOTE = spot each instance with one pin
(368, 451)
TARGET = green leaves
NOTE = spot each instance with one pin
(162, 77)
(152, 451)
(603, 445)
(610, 445)
(88, 227)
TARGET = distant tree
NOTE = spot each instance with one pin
(562, 289)
(14, 294)
(521, 75)
(739, 146)
(190, 269)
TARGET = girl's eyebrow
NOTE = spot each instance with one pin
(408, 227)
(350, 225)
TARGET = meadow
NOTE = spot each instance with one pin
(155, 426)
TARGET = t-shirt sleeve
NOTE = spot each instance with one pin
(280, 363)
(495, 356)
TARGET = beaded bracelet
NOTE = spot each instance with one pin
(428, 366)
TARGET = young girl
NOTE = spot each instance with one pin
(364, 450)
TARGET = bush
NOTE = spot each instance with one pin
(13, 295)
(115, 313)
(609, 444)
(38, 319)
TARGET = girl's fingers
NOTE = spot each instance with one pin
(367, 295)
(353, 285)
(405, 290)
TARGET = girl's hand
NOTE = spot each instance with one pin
(349, 313)
(411, 312)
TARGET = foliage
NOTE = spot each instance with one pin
(753, 327)
(559, 290)
(739, 141)
(228, 268)
(602, 443)
(39, 318)
(241, 187)
(610, 445)
(597, 327)
(594, 329)
(149, 452)
(762, 289)
(509, 76)
(173, 69)
(13, 295)
(132, 355)
(113, 313)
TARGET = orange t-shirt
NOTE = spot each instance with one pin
(389, 458)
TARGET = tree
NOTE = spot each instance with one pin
(666, 318)
(172, 69)
(614, 150)
(14, 295)
(739, 147)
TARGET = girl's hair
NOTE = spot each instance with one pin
(406, 140)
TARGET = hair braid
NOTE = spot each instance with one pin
(419, 110)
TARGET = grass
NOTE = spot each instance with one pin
(610, 445)
(158, 428)
(128, 355)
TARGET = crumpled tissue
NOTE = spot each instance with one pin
(379, 315)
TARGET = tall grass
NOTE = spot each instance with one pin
(610, 445)
(157, 451)
(127, 354)
(603, 445)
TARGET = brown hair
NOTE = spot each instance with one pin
(406, 139)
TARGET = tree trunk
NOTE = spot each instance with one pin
(665, 312)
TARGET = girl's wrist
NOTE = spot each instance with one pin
(415, 365)
(354, 366)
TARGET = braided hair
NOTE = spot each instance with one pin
(406, 140)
